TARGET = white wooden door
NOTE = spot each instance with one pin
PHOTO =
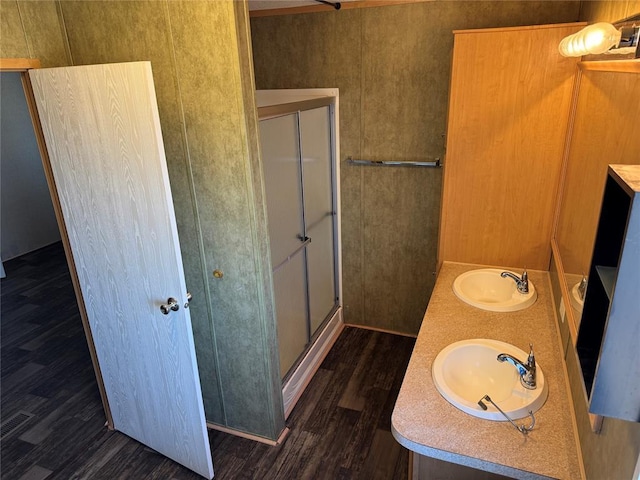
(103, 136)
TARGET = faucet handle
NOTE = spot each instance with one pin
(523, 284)
(531, 359)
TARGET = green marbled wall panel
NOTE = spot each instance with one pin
(108, 32)
(346, 68)
(401, 211)
(256, 190)
(45, 33)
(403, 118)
(13, 41)
(608, 11)
(399, 61)
(32, 29)
(208, 66)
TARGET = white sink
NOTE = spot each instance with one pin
(484, 288)
(464, 372)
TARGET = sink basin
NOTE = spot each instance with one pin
(484, 288)
(465, 371)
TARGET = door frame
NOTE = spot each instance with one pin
(22, 66)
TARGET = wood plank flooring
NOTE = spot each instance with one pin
(340, 428)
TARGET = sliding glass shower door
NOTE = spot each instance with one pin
(299, 183)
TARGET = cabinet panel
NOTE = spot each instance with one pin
(509, 105)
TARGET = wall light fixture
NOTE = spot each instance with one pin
(591, 40)
(600, 38)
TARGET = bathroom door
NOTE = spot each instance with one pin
(102, 133)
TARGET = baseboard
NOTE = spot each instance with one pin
(302, 375)
(381, 330)
(257, 438)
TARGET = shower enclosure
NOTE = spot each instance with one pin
(298, 136)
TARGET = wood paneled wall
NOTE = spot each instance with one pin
(509, 107)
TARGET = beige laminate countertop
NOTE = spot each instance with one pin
(424, 422)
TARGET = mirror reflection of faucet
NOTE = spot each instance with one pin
(582, 287)
(578, 293)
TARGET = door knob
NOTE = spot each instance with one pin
(172, 305)
(189, 297)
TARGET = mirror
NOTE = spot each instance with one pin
(604, 130)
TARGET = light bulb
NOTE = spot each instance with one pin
(591, 40)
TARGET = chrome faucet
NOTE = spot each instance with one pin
(521, 282)
(527, 370)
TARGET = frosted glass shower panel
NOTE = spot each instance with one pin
(290, 291)
(280, 155)
(298, 161)
(320, 262)
(317, 180)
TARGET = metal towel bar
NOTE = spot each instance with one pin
(391, 163)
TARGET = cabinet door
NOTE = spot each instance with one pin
(281, 167)
(317, 180)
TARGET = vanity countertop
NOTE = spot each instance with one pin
(424, 422)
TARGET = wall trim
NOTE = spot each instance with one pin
(381, 330)
(18, 64)
(249, 436)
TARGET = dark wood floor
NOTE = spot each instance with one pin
(340, 428)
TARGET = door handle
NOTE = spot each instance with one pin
(172, 305)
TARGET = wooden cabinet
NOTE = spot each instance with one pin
(509, 106)
(608, 340)
(427, 468)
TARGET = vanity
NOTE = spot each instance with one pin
(435, 431)
(589, 120)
